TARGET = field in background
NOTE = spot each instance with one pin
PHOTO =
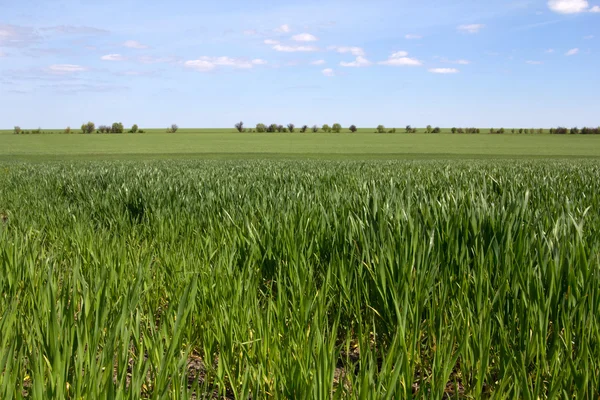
(300, 279)
(281, 145)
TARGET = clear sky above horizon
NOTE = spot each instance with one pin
(521, 63)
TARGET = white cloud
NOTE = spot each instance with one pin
(549, 51)
(271, 42)
(283, 29)
(200, 65)
(412, 36)
(206, 64)
(134, 44)
(359, 62)
(113, 57)
(294, 49)
(355, 51)
(569, 6)
(304, 37)
(572, 52)
(444, 71)
(472, 28)
(66, 68)
(595, 9)
(400, 59)
(328, 72)
(530, 62)
(319, 62)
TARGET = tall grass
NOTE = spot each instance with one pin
(300, 280)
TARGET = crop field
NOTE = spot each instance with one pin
(300, 279)
(351, 146)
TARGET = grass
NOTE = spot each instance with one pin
(300, 279)
(236, 145)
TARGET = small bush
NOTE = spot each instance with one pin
(437, 130)
(409, 129)
(453, 130)
(337, 128)
(261, 128)
(380, 129)
(17, 130)
(574, 131)
(239, 126)
(291, 127)
(326, 128)
(68, 129)
(272, 128)
(428, 129)
(315, 129)
(353, 128)
(304, 128)
(134, 128)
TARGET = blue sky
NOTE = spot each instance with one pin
(492, 63)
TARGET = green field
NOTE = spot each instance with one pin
(227, 144)
(299, 279)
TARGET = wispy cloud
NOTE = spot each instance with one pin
(134, 44)
(444, 71)
(572, 52)
(411, 36)
(283, 29)
(359, 62)
(271, 42)
(472, 28)
(17, 36)
(355, 51)
(448, 61)
(595, 9)
(328, 72)
(294, 49)
(112, 57)
(319, 62)
(66, 68)
(207, 64)
(304, 37)
(75, 30)
(250, 32)
(401, 59)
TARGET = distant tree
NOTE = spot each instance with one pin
(574, 131)
(280, 128)
(551, 131)
(134, 128)
(437, 129)
(17, 130)
(526, 131)
(173, 128)
(408, 129)
(291, 127)
(239, 126)
(380, 129)
(68, 129)
(520, 130)
(453, 130)
(261, 128)
(304, 128)
(272, 128)
(337, 128)
(501, 130)
(315, 129)
(428, 129)
(326, 128)
(541, 130)
(353, 128)
(117, 127)
(512, 130)
(284, 130)
(460, 130)
(90, 127)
